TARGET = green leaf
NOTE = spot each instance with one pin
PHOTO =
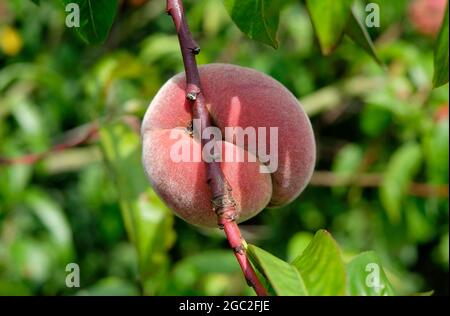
(441, 54)
(147, 221)
(297, 244)
(96, 18)
(282, 277)
(346, 164)
(329, 18)
(401, 169)
(321, 266)
(366, 276)
(37, 2)
(52, 217)
(110, 286)
(14, 288)
(258, 19)
(356, 30)
(426, 293)
(436, 152)
(190, 271)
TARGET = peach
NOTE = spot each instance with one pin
(427, 15)
(235, 97)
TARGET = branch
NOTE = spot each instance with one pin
(222, 200)
(73, 138)
(373, 180)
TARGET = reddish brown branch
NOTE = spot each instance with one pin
(222, 202)
(73, 138)
(373, 180)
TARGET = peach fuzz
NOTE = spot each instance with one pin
(236, 97)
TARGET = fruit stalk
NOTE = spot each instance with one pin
(222, 202)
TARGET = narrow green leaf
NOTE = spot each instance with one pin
(147, 221)
(346, 164)
(366, 277)
(321, 266)
(110, 286)
(401, 169)
(96, 18)
(436, 152)
(329, 18)
(283, 278)
(427, 293)
(258, 19)
(441, 54)
(356, 30)
(52, 217)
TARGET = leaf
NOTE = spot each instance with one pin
(212, 261)
(366, 276)
(401, 169)
(188, 272)
(147, 221)
(110, 286)
(258, 19)
(356, 30)
(440, 76)
(427, 293)
(346, 164)
(436, 152)
(283, 278)
(297, 244)
(96, 18)
(37, 2)
(321, 266)
(329, 18)
(52, 217)
(14, 288)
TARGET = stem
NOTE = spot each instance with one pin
(374, 180)
(73, 138)
(222, 202)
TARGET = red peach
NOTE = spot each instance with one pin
(236, 97)
(427, 15)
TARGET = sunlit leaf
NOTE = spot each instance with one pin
(366, 276)
(297, 244)
(111, 286)
(96, 18)
(258, 19)
(441, 54)
(283, 277)
(52, 217)
(356, 30)
(147, 220)
(189, 271)
(329, 18)
(321, 266)
(401, 169)
(436, 143)
(347, 163)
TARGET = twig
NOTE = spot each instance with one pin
(373, 180)
(222, 202)
(73, 138)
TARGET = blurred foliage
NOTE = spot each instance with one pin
(87, 203)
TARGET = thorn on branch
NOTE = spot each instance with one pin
(239, 249)
(191, 96)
